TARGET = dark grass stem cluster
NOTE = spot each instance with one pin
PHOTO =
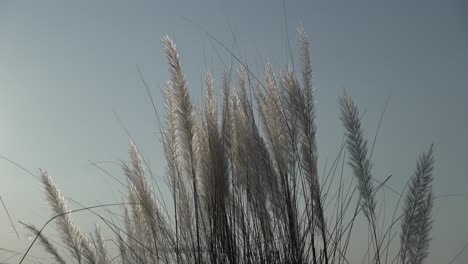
(242, 171)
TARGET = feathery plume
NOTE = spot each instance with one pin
(416, 223)
(361, 165)
(88, 252)
(186, 126)
(100, 248)
(70, 233)
(357, 146)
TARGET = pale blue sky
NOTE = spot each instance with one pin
(65, 66)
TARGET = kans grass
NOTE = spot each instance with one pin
(245, 185)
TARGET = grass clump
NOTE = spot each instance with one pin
(245, 184)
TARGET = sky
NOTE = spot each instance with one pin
(69, 72)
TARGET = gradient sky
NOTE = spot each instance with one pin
(66, 66)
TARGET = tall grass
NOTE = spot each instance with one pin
(245, 184)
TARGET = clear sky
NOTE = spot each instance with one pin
(65, 66)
